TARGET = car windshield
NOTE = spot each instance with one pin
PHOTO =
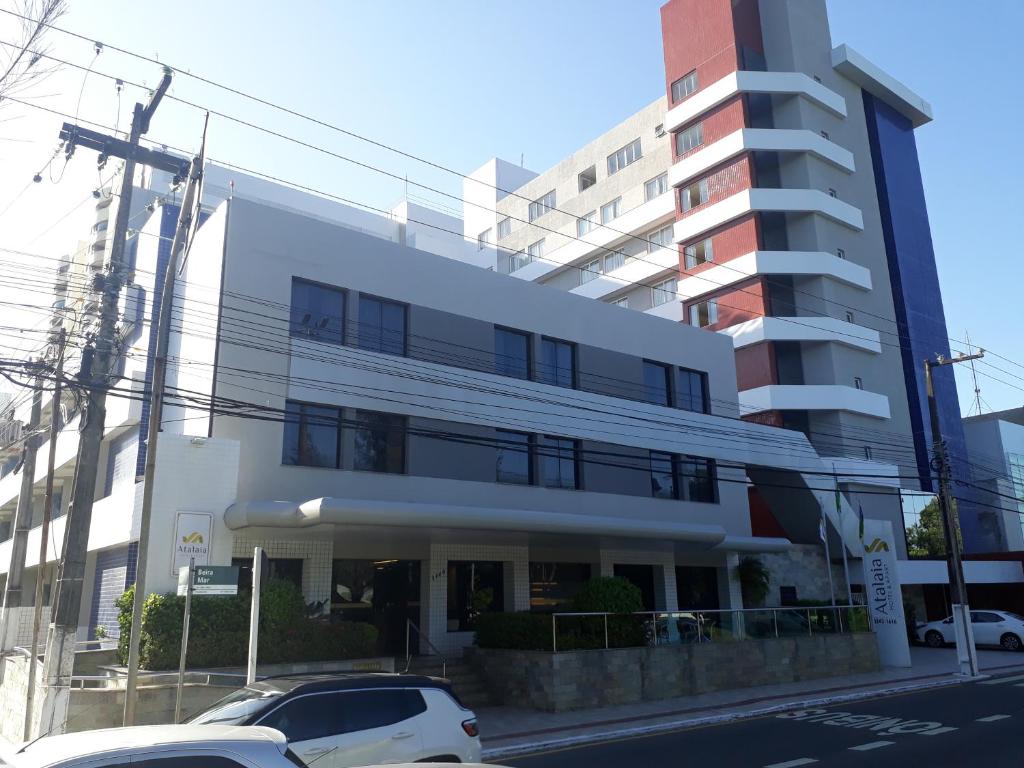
(235, 708)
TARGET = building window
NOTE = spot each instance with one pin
(554, 585)
(659, 130)
(840, 253)
(587, 178)
(311, 436)
(849, 317)
(586, 223)
(474, 588)
(623, 302)
(557, 458)
(483, 239)
(684, 86)
(664, 291)
(659, 239)
(517, 261)
(557, 364)
(663, 476)
(590, 271)
(704, 314)
(379, 442)
(317, 312)
(697, 479)
(824, 135)
(616, 260)
(656, 186)
(610, 210)
(657, 383)
(628, 155)
(689, 139)
(867, 452)
(692, 390)
(512, 461)
(511, 353)
(858, 382)
(381, 325)
(542, 205)
(832, 192)
(504, 227)
(694, 195)
(535, 251)
(696, 254)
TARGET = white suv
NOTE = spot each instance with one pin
(357, 719)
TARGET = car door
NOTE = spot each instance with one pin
(379, 727)
(985, 627)
(312, 723)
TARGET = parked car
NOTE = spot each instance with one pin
(345, 720)
(160, 746)
(1000, 628)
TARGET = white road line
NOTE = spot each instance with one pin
(992, 718)
(793, 763)
(1001, 680)
(871, 745)
(937, 731)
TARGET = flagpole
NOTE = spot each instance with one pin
(842, 537)
(828, 558)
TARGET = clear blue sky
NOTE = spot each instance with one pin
(461, 82)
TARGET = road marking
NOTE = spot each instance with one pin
(937, 731)
(992, 718)
(871, 745)
(1001, 680)
(793, 763)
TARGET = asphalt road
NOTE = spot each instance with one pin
(979, 723)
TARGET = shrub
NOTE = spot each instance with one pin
(519, 631)
(219, 630)
(608, 594)
(755, 581)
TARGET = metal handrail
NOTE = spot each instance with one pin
(411, 625)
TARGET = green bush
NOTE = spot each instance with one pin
(608, 594)
(219, 630)
(519, 631)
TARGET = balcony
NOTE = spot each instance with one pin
(805, 329)
(759, 140)
(814, 397)
(776, 83)
(796, 201)
(670, 310)
(646, 266)
(636, 221)
(758, 263)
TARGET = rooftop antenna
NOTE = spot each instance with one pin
(978, 401)
(522, 160)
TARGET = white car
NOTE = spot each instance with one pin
(158, 746)
(989, 627)
(344, 720)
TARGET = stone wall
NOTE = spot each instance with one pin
(91, 708)
(803, 567)
(556, 682)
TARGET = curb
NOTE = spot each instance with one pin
(514, 750)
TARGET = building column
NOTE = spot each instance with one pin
(730, 593)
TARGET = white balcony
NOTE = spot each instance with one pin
(641, 269)
(759, 140)
(863, 471)
(780, 83)
(814, 397)
(636, 221)
(670, 310)
(804, 329)
(811, 201)
(758, 263)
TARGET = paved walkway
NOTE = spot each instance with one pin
(508, 727)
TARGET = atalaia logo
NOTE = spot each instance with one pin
(195, 538)
(878, 545)
(192, 544)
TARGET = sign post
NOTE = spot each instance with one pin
(884, 597)
(184, 637)
(258, 560)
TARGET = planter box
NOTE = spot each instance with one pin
(555, 682)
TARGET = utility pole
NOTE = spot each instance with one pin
(44, 532)
(67, 602)
(13, 597)
(156, 406)
(966, 652)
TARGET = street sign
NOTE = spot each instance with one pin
(210, 580)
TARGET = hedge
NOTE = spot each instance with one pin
(219, 630)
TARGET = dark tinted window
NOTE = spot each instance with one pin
(308, 717)
(381, 325)
(511, 353)
(557, 364)
(657, 389)
(374, 709)
(984, 617)
(557, 458)
(513, 458)
(697, 479)
(182, 761)
(311, 435)
(691, 393)
(663, 476)
(379, 442)
(317, 312)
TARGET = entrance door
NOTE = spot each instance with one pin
(643, 577)
(384, 593)
(697, 588)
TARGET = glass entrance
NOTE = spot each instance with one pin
(642, 576)
(384, 593)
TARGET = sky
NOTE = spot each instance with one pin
(460, 82)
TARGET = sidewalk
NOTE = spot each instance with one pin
(508, 730)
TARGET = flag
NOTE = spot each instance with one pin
(821, 528)
(860, 514)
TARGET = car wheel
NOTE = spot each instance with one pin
(1010, 642)
(934, 639)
